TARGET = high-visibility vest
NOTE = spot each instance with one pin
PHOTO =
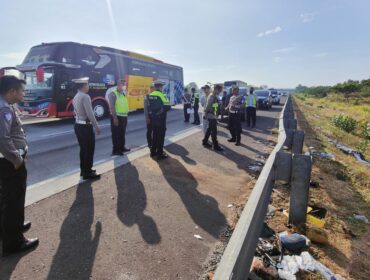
(195, 99)
(215, 106)
(121, 105)
(157, 102)
(254, 100)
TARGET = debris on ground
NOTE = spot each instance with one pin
(361, 218)
(359, 157)
(198, 237)
(327, 155)
(260, 268)
(314, 184)
(255, 168)
(317, 235)
(229, 206)
(293, 242)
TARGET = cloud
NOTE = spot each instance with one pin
(269, 32)
(323, 54)
(277, 59)
(284, 50)
(308, 17)
(14, 55)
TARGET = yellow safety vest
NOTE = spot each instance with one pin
(254, 100)
(121, 105)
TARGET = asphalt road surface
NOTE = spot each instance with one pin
(54, 151)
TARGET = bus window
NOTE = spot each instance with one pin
(40, 54)
(67, 53)
(87, 56)
(136, 69)
(163, 72)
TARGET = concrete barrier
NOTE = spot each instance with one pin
(281, 165)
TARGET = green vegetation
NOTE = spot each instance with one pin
(345, 123)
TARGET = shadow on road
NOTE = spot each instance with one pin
(132, 201)
(77, 247)
(202, 208)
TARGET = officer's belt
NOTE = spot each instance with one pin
(22, 152)
(82, 122)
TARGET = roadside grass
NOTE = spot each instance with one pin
(319, 112)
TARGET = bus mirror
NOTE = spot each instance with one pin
(40, 74)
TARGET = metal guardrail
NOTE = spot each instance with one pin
(238, 255)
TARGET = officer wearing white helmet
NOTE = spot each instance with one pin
(84, 128)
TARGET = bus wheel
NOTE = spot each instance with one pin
(100, 109)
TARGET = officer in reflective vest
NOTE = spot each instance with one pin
(234, 108)
(13, 172)
(118, 106)
(195, 104)
(159, 106)
(210, 112)
(251, 108)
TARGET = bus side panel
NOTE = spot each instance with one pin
(137, 88)
(178, 90)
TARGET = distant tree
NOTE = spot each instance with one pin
(301, 88)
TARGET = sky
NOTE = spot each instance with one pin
(279, 43)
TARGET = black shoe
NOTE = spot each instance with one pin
(25, 245)
(152, 154)
(26, 226)
(126, 150)
(206, 145)
(162, 156)
(237, 144)
(117, 154)
(92, 176)
(218, 148)
(231, 140)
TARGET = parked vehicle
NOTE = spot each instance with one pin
(264, 99)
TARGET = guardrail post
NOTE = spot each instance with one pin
(289, 138)
(297, 144)
(292, 124)
(300, 182)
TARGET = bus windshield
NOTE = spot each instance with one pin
(32, 83)
(40, 54)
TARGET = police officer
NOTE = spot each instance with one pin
(234, 107)
(84, 128)
(211, 111)
(206, 89)
(195, 104)
(251, 103)
(13, 172)
(159, 106)
(148, 117)
(118, 106)
(187, 104)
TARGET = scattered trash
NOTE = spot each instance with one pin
(229, 206)
(112, 197)
(198, 237)
(210, 275)
(290, 265)
(359, 157)
(255, 168)
(262, 270)
(318, 235)
(124, 241)
(361, 218)
(271, 211)
(316, 215)
(327, 155)
(294, 242)
(314, 184)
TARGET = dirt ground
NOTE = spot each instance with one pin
(348, 252)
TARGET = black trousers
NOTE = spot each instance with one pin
(196, 114)
(159, 133)
(118, 134)
(235, 126)
(186, 115)
(251, 116)
(86, 139)
(12, 198)
(211, 131)
(149, 134)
